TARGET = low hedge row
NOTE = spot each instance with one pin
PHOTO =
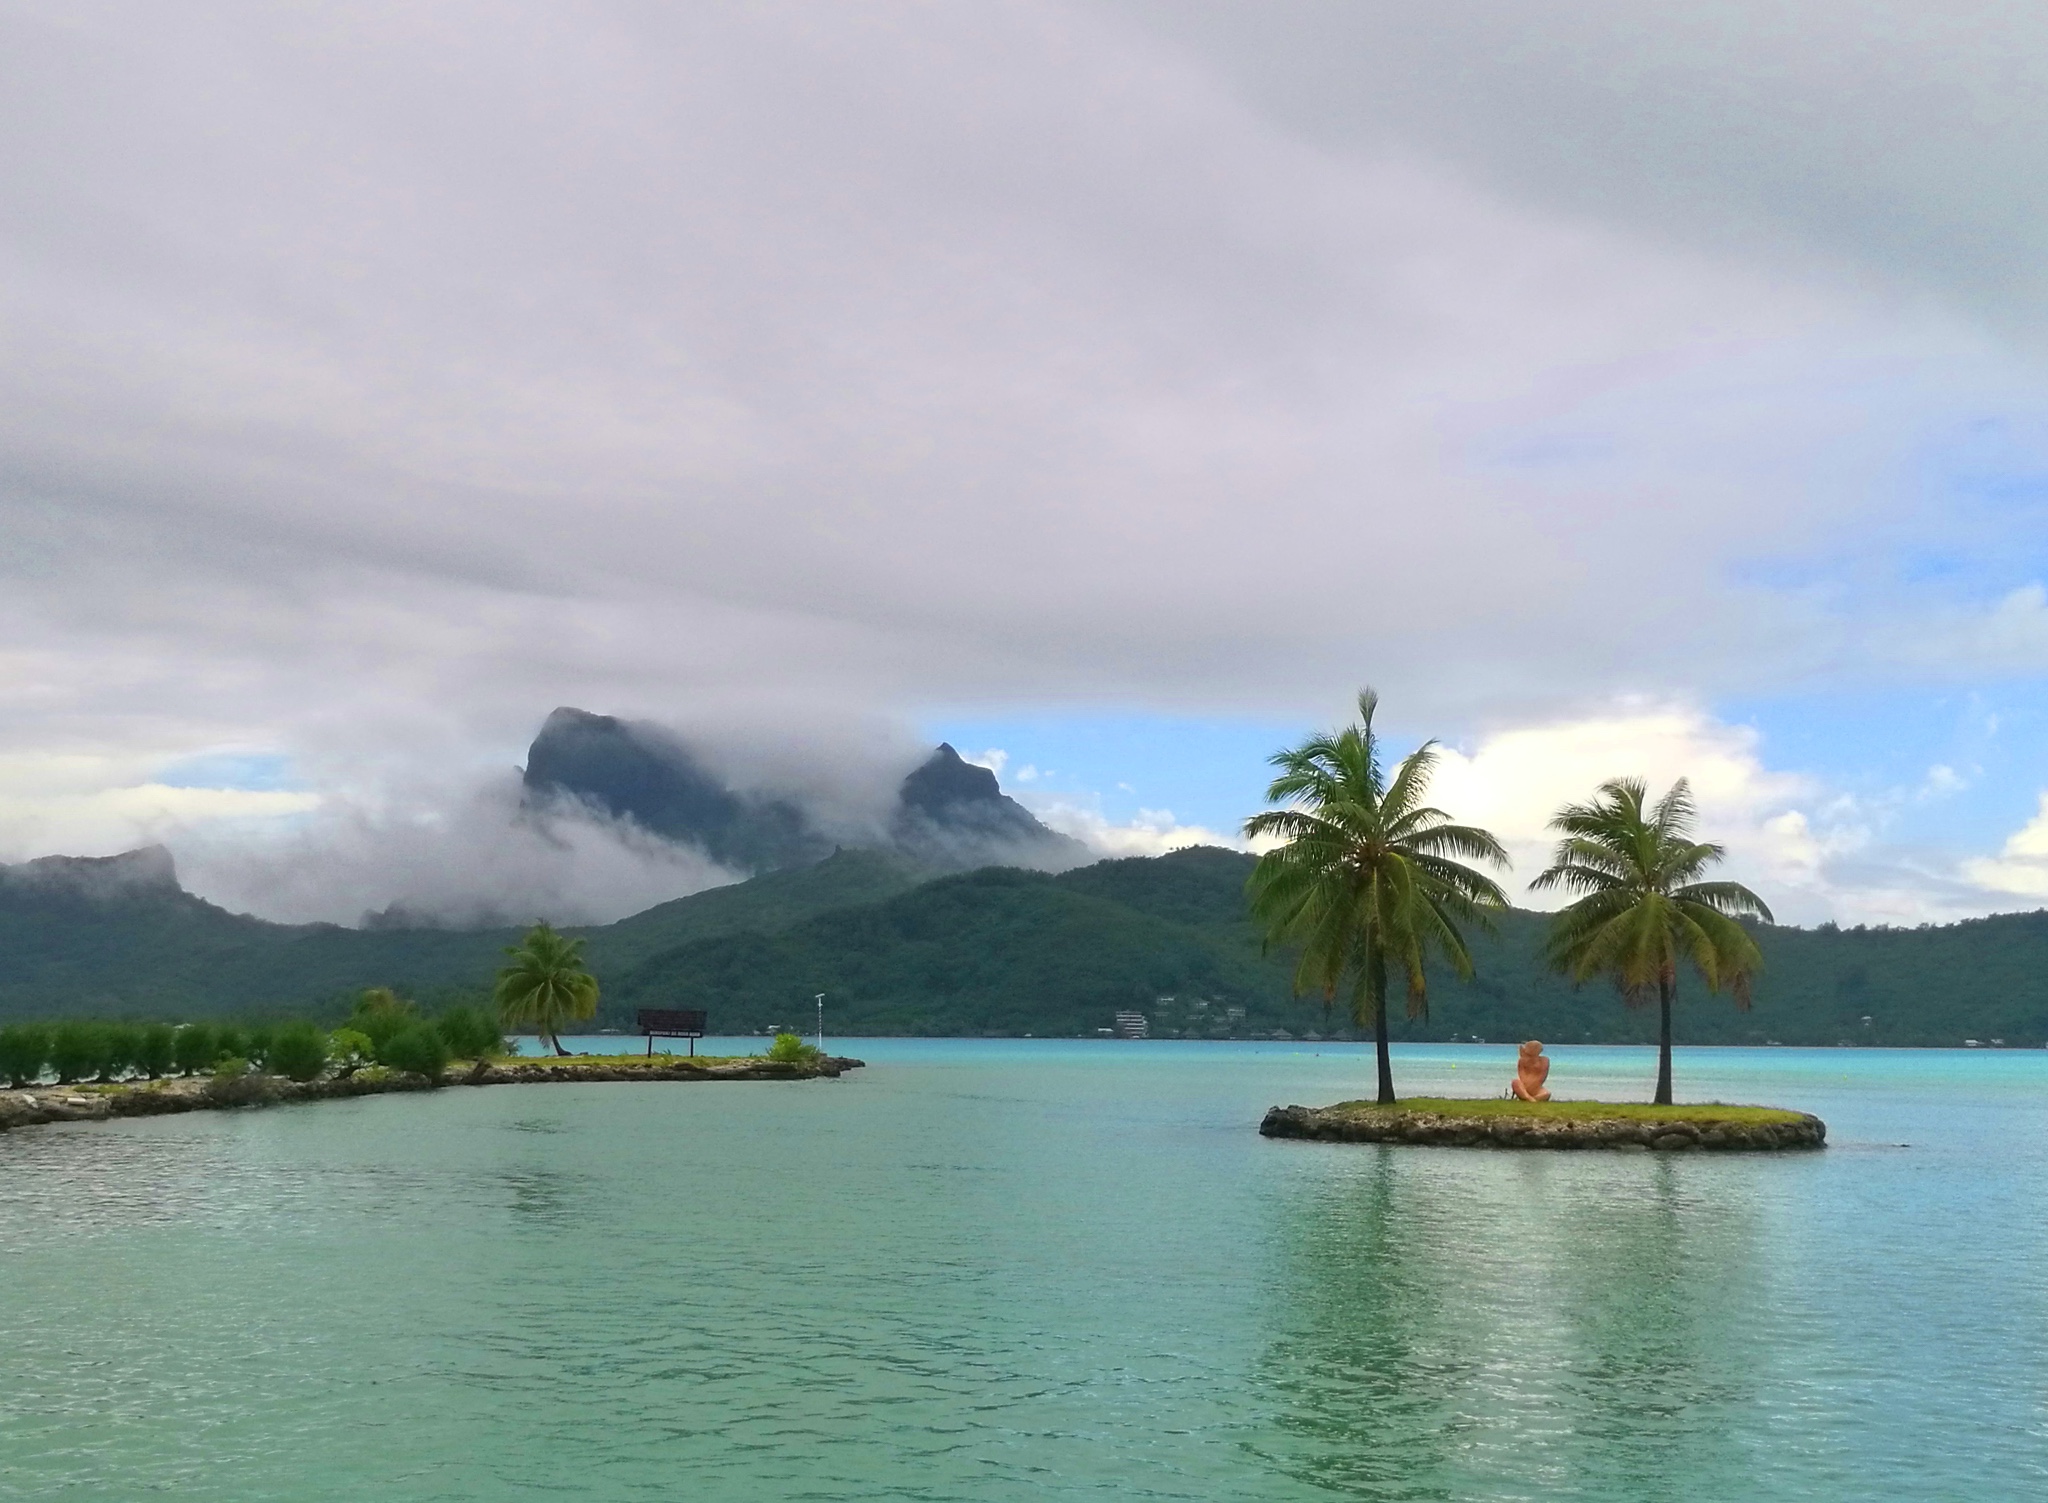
(88, 1049)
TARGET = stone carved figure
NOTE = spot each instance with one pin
(1531, 1070)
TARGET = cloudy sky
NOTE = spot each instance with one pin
(1110, 387)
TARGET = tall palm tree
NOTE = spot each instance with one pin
(546, 986)
(1366, 883)
(1643, 906)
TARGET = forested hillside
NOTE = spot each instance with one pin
(1004, 952)
(997, 951)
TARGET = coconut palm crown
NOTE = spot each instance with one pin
(546, 986)
(1368, 883)
(1643, 907)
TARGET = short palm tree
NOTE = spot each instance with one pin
(1643, 907)
(1367, 883)
(546, 986)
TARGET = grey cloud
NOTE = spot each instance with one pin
(381, 376)
(1891, 135)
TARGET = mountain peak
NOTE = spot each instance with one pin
(147, 869)
(944, 779)
(948, 812)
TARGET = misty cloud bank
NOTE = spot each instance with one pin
(610, 817)
(459, 857)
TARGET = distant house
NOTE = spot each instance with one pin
(1132, 1025)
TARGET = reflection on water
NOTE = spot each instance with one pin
(1468, 1324)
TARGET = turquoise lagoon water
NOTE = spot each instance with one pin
(1015, 1270)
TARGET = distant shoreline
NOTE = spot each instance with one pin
(47, 1105)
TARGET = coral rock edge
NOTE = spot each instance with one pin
(1797, 1130)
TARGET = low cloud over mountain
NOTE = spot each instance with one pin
(945, 813)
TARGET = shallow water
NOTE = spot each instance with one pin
(1013, 1269)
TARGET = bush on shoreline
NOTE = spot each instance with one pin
(24, 1050)
(383, 1028)
(195, 1048)
(789, 1049)
(299, 1051)
(419, 1050)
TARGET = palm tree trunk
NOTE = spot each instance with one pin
(1376, 983)
(557, 1043)
(1379, 1040)
(1664, 991)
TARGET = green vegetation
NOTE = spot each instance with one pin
(156, 1050)
(1577, 1111)
(1367, 885)
(417, 1050)
(469, 1034)
(299, 1051)
(546, 985)
(380, 1015)
(999, 952)
(74, 1049)
(349, 1050)
(767, 904)
(1642, 906)
(195, 1047)
(789, 1049)
(24, 1050)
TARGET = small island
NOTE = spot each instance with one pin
(1506, 1123)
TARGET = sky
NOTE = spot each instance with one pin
(1111, 388)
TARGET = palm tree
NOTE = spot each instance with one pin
(546, 985)
(1644, 908)
(1366, 883)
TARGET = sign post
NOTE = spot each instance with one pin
(671, 1023)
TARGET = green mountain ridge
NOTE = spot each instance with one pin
(994, 951)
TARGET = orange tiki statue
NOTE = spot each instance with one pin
(1531, 1070)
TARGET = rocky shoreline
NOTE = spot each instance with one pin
(33, 1106)
(1794, 1130)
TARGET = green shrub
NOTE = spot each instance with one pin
(788, 1049)
(119, 1044)
(74, 1049)
(298, 1050)
(349, 1050)
(24, 1050)
(417, 1050)
(154, 1050)
(469, 1034)
(197, 1047)
(256, 1044)
(381, 1015)
(229, 1042)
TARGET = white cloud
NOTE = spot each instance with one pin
(2021, 866)
(1942, 781)
(1514, 781)
(109, 820)
(1151, 832)
(92, 804)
